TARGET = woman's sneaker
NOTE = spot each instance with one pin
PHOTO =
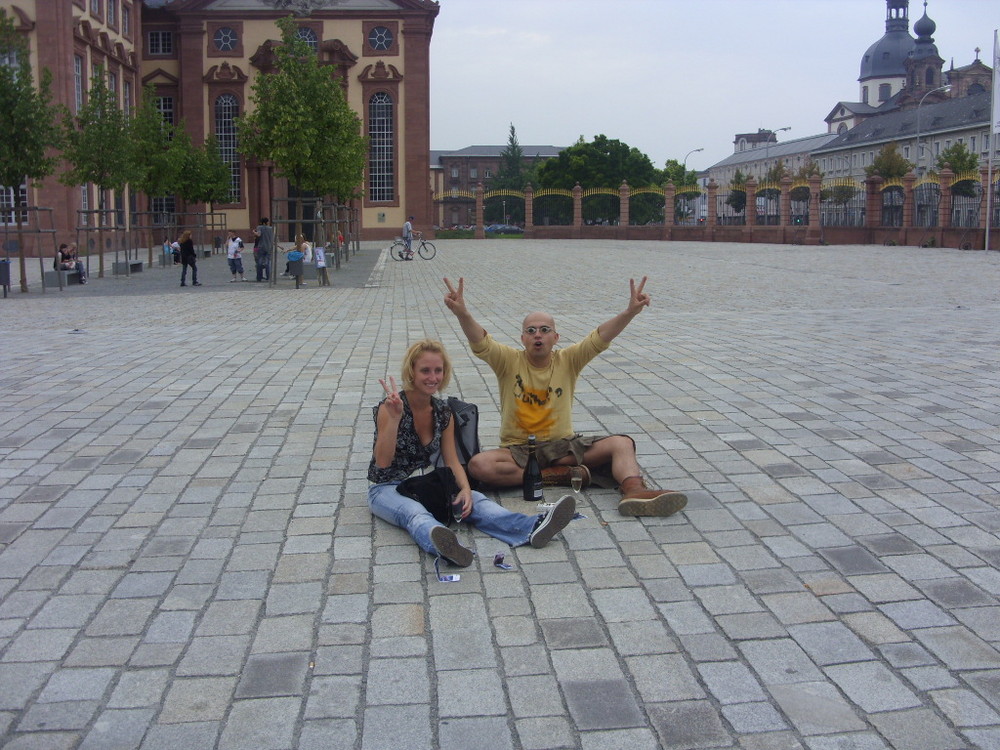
(446, 543)
(553, 522)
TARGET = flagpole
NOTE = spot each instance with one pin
(994, 131)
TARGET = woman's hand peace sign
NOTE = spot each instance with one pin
(393, 403)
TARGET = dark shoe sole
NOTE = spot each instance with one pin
(446, 543)
(661, 506)
(556, 520)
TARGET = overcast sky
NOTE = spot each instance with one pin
(664, 76)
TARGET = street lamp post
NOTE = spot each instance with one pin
(685, 162)
(684, 170)
(946, 87)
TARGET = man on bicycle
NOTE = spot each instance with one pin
(408, 238)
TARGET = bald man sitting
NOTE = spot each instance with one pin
(536, 398)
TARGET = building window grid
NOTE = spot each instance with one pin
(165, 106)
(78, 82)
(95, 7)
(227, 108)
(112, 15)
(225, 39)
(7, 204)
(381, 162)
(308, 36)
(126, 20)
(127, 96)
(160, 42)
(113, 85)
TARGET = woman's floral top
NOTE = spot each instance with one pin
(411, 454)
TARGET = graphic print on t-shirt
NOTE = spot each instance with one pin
(533, 409)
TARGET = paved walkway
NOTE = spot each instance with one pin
(188, 560)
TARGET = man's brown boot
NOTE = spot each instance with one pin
(562, 476)
(638, 500)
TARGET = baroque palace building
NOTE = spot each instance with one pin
(906, 97)
(202, 56)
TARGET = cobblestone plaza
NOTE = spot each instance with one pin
(187, 558)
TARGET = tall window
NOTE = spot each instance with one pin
(7, 204)
(78, 82)
(126, 20)
(165, 104)
(113, 85)
(85, 204)
(160, 43)
(227, 108)
(127, 96)
(9, 58)
(381, 161)
(112, 17)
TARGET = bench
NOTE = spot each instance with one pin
(127, 267)
(51, 278)
(205, 252)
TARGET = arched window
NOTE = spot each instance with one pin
(381, 157)
(308, 36)
(227, 108)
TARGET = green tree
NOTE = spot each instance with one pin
(204, 175)
(807, 170)
(961, 161)
(28, 125)
(737, 199)
(157, 156)
(602, 163)
(98, 149)
(512, 174)
(302, 122)
(889, 164)
(675, 172)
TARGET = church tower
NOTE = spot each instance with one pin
(883, 71)
(923, 66)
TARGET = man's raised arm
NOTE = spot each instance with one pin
(454, 300)
(637, 300)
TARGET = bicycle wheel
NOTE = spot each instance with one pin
(397, 250)
(427, 250)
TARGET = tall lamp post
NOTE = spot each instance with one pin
(946, 87)
(684, 167)
(685, 162)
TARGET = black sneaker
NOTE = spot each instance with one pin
(553, 522)
(446, 543)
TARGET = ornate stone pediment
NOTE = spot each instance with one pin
(225, 73)
(380, 72)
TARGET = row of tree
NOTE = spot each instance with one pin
(301, 122)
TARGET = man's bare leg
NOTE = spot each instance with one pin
(496, 468)
(637, 499)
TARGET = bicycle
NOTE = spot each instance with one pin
(426, 250)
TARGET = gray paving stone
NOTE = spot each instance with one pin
(919, 729)
(191, 531)
(273, 675)
(687, 724)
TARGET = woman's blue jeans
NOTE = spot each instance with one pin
(487, 516)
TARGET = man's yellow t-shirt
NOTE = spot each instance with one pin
(537, 400)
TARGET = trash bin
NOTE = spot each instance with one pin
(5, 276)
(295, 268)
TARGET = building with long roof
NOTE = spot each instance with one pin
(906, 96)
